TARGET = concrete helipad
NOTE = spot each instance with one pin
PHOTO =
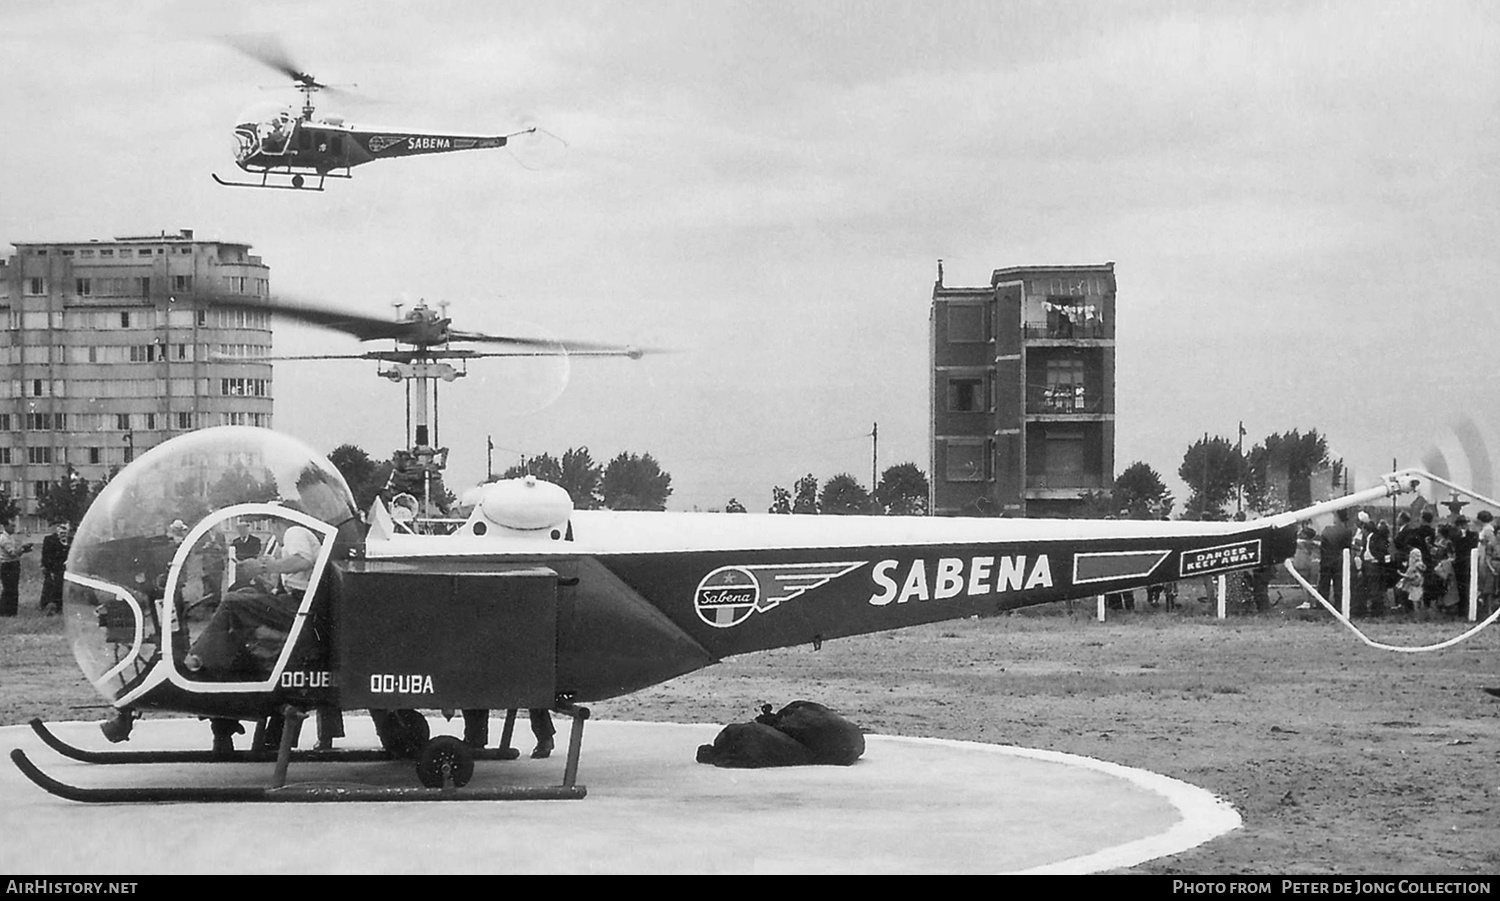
(911, 805)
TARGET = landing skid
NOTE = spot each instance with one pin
(445, 764)
(83, 755)
(299, 793)
(295, 182)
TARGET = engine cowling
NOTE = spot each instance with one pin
(525, 506)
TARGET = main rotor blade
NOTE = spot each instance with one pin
(576, 348)
(268, 50)
(634, 353)
(225, 358)
(365, 328)
(420, 332)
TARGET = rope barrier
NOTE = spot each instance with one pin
(1381, 645)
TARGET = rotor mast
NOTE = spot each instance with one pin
(422, 375)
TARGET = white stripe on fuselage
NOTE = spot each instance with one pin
(607, 532)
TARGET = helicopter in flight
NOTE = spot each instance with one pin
(288, 148)
(526, 603)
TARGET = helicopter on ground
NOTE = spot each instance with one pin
(287, 147)
(526, 602)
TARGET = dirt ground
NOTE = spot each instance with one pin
(1341, 759)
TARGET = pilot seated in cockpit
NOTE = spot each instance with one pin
(245, 635)
(275, 133)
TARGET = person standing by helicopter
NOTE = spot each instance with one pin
(54, 563)
(477, 730)
(11, 551)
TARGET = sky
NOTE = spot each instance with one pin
(1301, 201)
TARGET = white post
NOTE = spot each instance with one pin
(1223, 595)
(1346, 590)
(1101, 608)
(1473, 585)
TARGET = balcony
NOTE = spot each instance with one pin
(1065, 319)
(1061, 328)
(1063, 399)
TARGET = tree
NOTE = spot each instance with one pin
(8, 506)
(366, 477)
(781, 500)
(581, 477)
(238, 485)
(1140, 493)
(1211, 468)
(843, 494)
(576, 472)
(633, 482)
(805, 495)
(66, 500)
(734, 506)
(902, 491)
(1279, 470)
(544, 466)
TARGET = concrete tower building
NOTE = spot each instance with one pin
(110, 348)
(1023, 391)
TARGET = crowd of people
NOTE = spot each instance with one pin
(1423, 568)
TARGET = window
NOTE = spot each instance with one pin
(240, 387)
(185, 421)
(36, 388)
(122, 422)
(145, 286)
(95, 456)
(124, 319)
(967, 395)
(966, 322)
(1065, 455)
(38, 456)
(1065, 392)
(36, 285)
(182, 283)
(182, 351)
(4, 456)
(202, 318)
(85, 287)
(967, 460)
(150, 422)
(106, 253)
(4, 422)
(126, 252)
(46, 422)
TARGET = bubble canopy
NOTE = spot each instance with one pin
(133, 535)
(263, 128)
